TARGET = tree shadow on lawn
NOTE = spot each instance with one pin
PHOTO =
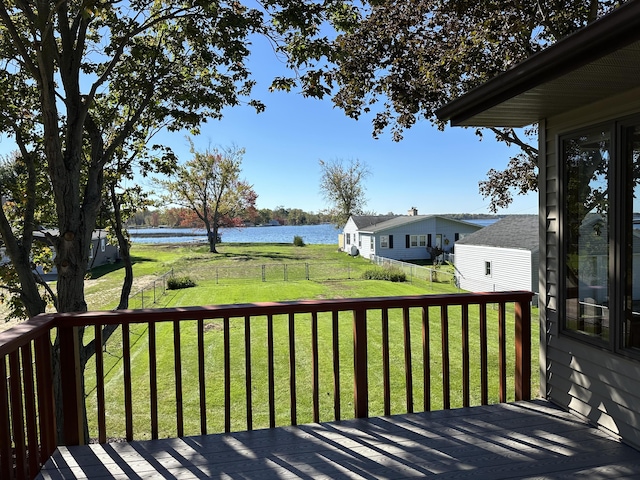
(102, 270)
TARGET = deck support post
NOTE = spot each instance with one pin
(361, 382)
(71, 382)
(523, 349)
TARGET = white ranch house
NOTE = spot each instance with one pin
(501, 257)
(583, 92)
(403, 237)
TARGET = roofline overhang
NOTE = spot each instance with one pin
(604, 36)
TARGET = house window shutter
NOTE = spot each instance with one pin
(456, 237)
(407, 241)
(390, 241)
(429, 240)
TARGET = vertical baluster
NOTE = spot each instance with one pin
(465, 356)
(247, 370)
(153, 381)
(360, 379)
(386, 377)
(202, 378)
(102, 424)
(126, 367)
(408, 367)
(31, 412)
(227, 376)
(502, 351)
(444, 338)
(523, 349)
(6, 454)
(17, 415)
(271, 372)
(177, 361)
(426, 360)
(292, 370)
(314, 365)
(46, 408)
(336, 365)
(484, 382)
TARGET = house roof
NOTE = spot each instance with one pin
(595, 62)
(363, 221)
(513, 231)
(402, 220)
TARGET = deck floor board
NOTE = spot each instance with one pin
(524, 440)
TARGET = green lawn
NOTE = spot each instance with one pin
(197, 262)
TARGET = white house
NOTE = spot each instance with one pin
(403, 237)
(583, 93)
(503, 256)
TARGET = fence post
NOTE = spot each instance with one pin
(360, 379)
(306, 268)
(70, 372)
(523, 349)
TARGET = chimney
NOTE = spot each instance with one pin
(413, 211)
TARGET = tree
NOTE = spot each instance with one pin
(209, 185)
(342, 185)
(406, 59)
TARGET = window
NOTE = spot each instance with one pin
(422, 239)
(90, 252)
(384, 241)
(348, 239)
(414, 240)
(103, 244)
(487, 268)
(600, 235)
(372, 244)
(360, 241)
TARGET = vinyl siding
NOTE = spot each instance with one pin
(434, 226)
(600, 385)
(511, 269)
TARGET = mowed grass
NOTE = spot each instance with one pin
(152, 260)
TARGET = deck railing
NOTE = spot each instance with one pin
(199, 370)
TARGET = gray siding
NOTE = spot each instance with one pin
(597, 384)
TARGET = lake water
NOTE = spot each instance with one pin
(311, 234)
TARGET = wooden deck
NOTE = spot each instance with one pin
(518, 440)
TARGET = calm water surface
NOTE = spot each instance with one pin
(311, 234)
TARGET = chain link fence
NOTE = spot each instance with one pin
(278, 272)
(149, 295)
(429, 274)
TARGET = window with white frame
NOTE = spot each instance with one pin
(414, 240)
(103, 244)
(384, 241)
(348, 239)
(422, 240)
(372, 243)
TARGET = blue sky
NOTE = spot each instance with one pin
(434, 171)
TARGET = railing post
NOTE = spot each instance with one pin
(523, 349)
(360, 380)
(72, 401)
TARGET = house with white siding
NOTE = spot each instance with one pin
(503, 256)
(403, 237)
(583, 92)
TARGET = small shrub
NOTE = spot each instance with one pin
(176, 283)
(298, 241)
(391, 274)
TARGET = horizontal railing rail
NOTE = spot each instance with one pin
(199, 370)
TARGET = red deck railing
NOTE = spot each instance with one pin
(211, 370)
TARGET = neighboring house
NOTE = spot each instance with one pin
(403, 237)
(501, 257)
(584, 94)
(101, 251)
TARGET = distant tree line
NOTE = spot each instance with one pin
(183, 217)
